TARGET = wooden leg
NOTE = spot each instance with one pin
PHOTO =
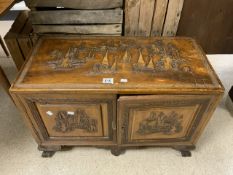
(47, 154)
(116, 150)
(48, 151)
(4, 81)
(4, 47)
(185, 150)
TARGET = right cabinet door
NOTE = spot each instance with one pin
(161, 119)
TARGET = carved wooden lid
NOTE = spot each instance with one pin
(118, 65)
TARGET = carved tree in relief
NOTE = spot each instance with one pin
(80, 120)
(159, 122)
(158, 56)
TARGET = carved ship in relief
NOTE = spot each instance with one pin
(161, 123)
(80, 120)
(106, 59)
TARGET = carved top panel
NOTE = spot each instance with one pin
(118, 63)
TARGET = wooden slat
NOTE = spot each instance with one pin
(19, 22)
(173, 17)
(25, 45)
(111, 29)
(13, 47)
(76, 4)
(145, 18)
(27, 29)
(132, 8)
(5, 5)
(11, 38)
(24, 40)
(159, 16)
(77, 17)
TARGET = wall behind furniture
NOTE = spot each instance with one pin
(210, 22)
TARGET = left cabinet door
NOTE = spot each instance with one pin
(72, 119)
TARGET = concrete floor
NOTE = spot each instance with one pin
(19, 154)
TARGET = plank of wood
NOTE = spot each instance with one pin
(77, 17)
(173, 17)
(111, 29)
(132, 9)
(76, 4)
(19, 22)
(159, 17)
(11, 38)
(25, 45)
(24, 39)
(145, 17)
(27, 29)
(5, 5)
(14, 49)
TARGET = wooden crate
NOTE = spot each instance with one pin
(19, 39)
(82, 17)
(95, 22)
(75, 4)
(152, 17)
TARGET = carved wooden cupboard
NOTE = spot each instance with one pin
(117, 92)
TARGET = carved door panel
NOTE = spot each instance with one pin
(74, 118)
(160, 119)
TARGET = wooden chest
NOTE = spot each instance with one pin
(117, 92)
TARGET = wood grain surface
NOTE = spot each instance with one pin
(117, 92)
(167, 64)
(77, 17)
(5, 5)
(76, 4)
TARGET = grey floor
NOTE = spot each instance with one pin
(19, 154)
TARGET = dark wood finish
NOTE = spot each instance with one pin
(209, 23)
(76, 4)
(11, 41)
(19, 39)
(162, 92)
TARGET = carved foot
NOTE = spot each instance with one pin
(48, 151)
(186, 153)
(185, 150)
(47, 154)
(116, 151)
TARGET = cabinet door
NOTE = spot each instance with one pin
(73, 119)
(160, 119)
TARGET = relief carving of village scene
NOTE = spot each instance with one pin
(112, 57)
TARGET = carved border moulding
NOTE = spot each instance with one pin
(80, 120)
(161, 123)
